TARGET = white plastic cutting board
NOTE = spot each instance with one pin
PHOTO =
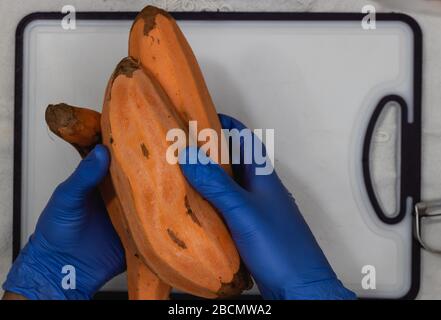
(315, 83)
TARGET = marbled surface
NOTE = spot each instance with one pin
(427, 13)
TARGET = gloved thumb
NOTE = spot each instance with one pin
(212, 182)
(86, 176)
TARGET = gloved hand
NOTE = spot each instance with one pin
(271, 235)
(73, 230)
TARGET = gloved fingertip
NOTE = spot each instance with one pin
(89, 173)
(187, 155)
(228, 122)
(193, 164)
(193, 155)
(206, 176)
(99, 153)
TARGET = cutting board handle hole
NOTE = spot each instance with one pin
(391, 107)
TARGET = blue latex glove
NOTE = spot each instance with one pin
(271, 235)
(74, 229)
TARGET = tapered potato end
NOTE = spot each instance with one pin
(148, 16)
(78, 126)
(241, 281)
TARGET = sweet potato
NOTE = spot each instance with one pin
(156, 41)
(81, 128)
(178, 233)
(78, 126)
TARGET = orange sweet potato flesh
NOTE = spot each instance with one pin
(156, 41)
(179, 234)
(82, 129)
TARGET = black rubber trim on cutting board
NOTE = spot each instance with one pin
(412, 172)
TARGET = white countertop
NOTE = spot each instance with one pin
(429, 18)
